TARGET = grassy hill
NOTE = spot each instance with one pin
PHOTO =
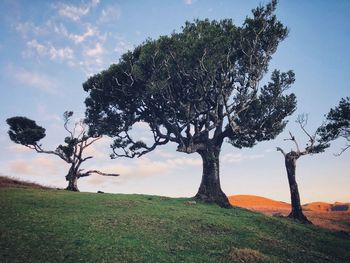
(46, 225)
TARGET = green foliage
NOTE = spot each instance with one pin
(25, 131)
(60, 226)
(67, 150)
(193, 82)
(337, 122)
(265, 119)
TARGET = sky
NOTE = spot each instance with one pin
(49, 48)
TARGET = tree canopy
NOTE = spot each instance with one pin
(337, 124)
(25, 131)
(195, 88)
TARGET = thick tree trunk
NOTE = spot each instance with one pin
(210, 189)
(297, 212)
(72, 179)
(72, 185)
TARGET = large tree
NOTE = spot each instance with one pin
(337, 124)
(26, 132)
(196, 88)
(290, 160)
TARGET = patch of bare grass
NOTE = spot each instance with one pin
(247, 255)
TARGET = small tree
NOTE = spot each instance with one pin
(26, 132)
(196, 88)
(337, 124)
(290, 159)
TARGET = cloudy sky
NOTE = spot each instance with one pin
(49, 48)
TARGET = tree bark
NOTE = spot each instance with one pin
(72, 178)
(210, 189)
(297, 212)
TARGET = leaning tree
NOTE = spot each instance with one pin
(26, 132)
(337, 124)
(290, 159)
(196, 88)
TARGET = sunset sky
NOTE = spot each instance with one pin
(49, 48)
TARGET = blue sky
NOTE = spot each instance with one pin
(49, 48)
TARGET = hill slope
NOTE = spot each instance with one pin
(6, 182)
(254, 201)
(38, 225)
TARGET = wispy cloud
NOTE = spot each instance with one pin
(147, 167)
(238, 157)
(189, 2)
(39, 166)
(109, 14)
(75, 12)
(35, 80)
(79, 43)
(18, 148)
(29, 28)
(95, 51)
(49, 50)
(90, 32)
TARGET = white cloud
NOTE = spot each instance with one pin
(189, 2)
(59, 29)
(65, 53)
(95, 51)
(18, 148)
(93, 58)
(35, 80)
(34, 45)
(90, 32)
(238, 157)
(100, 149)
(110, 13)
(164, 154)
(147, 167)
(48, 49)
(29, 28)
(41, 166)
(75, 12)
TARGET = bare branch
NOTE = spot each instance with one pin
(280, 150)
(88, 173)
(342, 150)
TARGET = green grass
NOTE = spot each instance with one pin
(38, 225)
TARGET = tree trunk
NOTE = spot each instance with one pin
(72, 179)
(297, 212)
(210, 189)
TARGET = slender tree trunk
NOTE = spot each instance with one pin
(297, 212)
(72, 178)
(210, 189)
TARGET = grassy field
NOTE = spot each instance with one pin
(41, 225)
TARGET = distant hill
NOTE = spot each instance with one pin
(253, 201)
(6, 182)
(326, 207)
(257, 202)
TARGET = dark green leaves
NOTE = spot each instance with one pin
(25, 131)
(337, 123)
